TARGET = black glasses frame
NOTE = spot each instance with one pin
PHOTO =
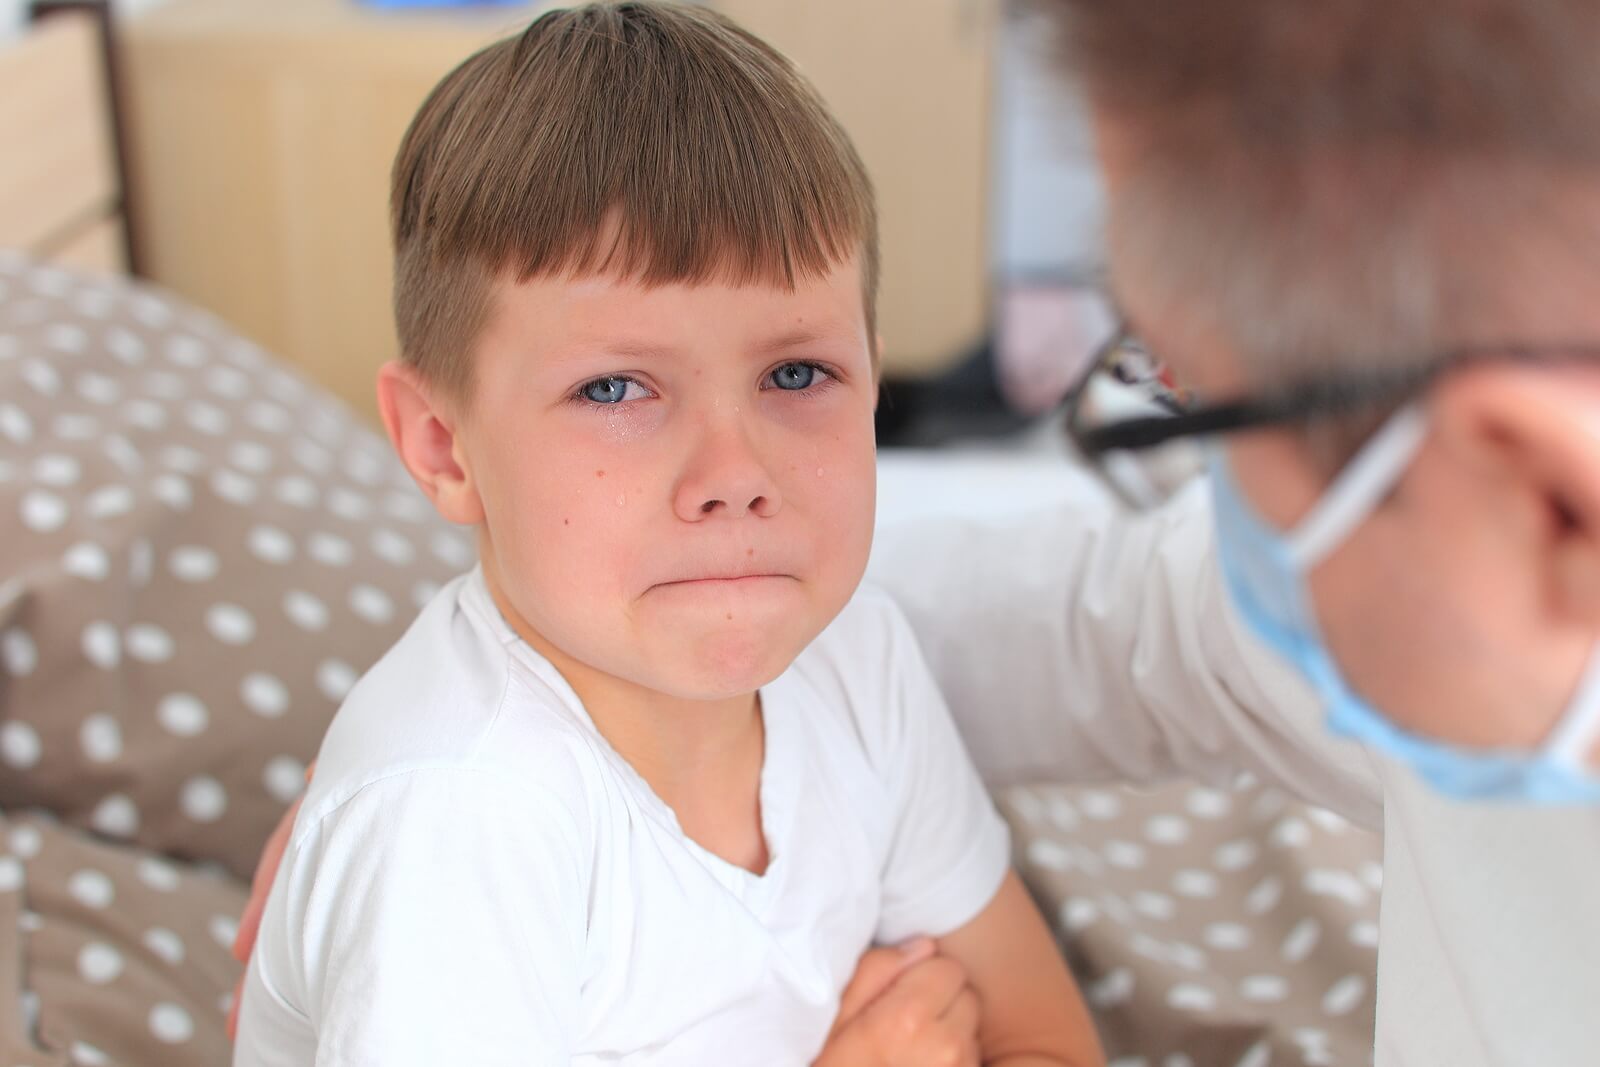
(1304, 401)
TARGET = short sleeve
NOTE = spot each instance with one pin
(441, 918)
(949, 849)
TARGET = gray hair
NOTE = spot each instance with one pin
(1324, 179)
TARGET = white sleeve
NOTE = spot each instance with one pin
(441, 920)
(1079, 643)
(949, 849)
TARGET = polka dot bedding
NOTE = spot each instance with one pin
(1208, 928)
(113, 955)
(200, 553)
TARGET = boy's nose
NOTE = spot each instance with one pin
(725, 476)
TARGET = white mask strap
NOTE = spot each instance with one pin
(1574, 736)
(1357, 490)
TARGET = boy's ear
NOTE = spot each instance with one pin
(424, 436)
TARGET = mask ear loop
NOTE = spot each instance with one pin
(1359, 488)
(1572, 738)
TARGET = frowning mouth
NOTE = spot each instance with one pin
(712, 580)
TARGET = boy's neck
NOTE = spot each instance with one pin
(703, 758)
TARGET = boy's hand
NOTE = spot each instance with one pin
(260, 886)
(905, 1007)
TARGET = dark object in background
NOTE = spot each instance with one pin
(1045, 330)
(961, 404)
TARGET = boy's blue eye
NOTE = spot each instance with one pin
(607, 390)
(794, 376)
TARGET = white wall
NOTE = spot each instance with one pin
(1046, 197)
(10, 16)
(13, 12)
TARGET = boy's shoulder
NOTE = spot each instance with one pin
(865, 667)
(452, 695)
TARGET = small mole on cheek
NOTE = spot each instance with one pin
(566, 522)
(599, 474)
(749, 551)
(730, 616)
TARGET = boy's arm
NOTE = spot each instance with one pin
(947, 871)
(1031, 1014)
(435, 916)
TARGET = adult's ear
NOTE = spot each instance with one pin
(1538, 428)
(423, 432)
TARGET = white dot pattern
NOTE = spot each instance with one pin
(99, 963)
(20, 746)
(171, 1024)
(183, 714)
(120, 958)
(91, 888)
(149, 643)
(1193, 907)
(212, 552)
(116, 816)
(101, 738)
(165, 944)
(204, 799)
(18, 652)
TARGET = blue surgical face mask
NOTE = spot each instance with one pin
(1265, 572)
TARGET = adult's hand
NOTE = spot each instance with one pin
(905, 1007)
(260, 885)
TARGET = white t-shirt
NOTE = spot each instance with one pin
(476, 877)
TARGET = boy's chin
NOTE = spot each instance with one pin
(729, 664)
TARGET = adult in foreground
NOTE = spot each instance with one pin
(1365, 237)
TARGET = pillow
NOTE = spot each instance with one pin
(112, 955)
(202, 552)
(1208, 928)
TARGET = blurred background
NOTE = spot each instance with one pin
(257, 136)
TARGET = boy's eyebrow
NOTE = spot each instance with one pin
(648, 350)
(798, 338)
(642, 350)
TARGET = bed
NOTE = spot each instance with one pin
(200, 550)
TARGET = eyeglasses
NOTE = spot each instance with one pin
(1138, 428)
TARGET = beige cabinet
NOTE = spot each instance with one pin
(262, 135)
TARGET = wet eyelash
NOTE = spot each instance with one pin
(577, 397)
(833, 376)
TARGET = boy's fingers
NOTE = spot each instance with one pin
(963, 1015)
(877, 971)
(921, 995)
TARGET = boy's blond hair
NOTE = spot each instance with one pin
(648, 141)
